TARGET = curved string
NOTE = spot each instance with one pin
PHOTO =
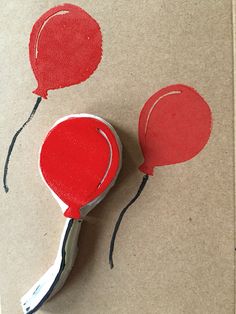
(118, 222)
(11, 146)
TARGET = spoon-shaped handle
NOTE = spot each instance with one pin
(53, 280)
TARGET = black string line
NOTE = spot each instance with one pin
(118, 222)
(6, 188)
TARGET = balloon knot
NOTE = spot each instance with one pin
(147, 169)
(41, 92)
(72, 212)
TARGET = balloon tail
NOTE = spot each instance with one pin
(6, 188)
(118, 222)
(146, 168)
(72, 212)
(41, 92)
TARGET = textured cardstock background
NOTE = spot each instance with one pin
(175, 249)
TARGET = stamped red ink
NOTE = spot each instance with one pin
(174, 126)
(65, 49)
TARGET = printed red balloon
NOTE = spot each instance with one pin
(174, 126)
(79, 160)
(65, 48)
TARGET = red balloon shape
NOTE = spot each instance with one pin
(65, 48)
(174, 126)
(79, 160)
